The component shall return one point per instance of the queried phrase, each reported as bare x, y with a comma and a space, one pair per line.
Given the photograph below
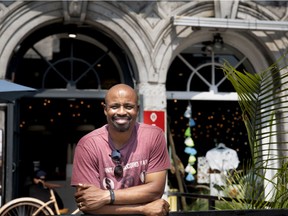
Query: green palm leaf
264, 110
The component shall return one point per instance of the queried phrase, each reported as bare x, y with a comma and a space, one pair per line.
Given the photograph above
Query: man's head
121, 107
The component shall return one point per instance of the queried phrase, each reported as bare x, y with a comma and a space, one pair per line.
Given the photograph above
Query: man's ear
104, 108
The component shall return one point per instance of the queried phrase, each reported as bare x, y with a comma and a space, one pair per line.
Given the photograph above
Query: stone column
154, 96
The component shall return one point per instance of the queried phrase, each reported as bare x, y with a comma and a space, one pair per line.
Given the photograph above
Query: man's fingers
82, 186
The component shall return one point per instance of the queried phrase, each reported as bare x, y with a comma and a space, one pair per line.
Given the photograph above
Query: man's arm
92, 198
152, 189
158, 207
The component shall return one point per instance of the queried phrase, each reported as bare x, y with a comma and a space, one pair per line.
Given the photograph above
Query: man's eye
114, 107
129, 107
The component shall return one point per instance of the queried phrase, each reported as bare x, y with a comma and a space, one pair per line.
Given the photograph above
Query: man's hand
158, 207
89, 197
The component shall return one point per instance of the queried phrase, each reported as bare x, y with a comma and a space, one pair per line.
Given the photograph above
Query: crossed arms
143, 199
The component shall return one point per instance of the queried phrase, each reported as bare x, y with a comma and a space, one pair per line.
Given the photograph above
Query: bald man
121, 167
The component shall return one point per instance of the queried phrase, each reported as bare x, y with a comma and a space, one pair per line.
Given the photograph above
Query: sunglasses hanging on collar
116, 158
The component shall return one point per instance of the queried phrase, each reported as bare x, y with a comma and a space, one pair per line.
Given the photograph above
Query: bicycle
29, 206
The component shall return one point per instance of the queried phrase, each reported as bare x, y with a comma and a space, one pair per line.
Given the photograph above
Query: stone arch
112, 20
31, 20
255, 47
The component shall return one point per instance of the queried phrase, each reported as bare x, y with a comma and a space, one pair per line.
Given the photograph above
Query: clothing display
220, 159
217, 184
203, 171
145, 152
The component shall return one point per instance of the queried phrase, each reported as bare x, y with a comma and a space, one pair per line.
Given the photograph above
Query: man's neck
119, 139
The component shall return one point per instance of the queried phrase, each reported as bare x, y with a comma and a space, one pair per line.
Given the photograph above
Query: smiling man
121, 167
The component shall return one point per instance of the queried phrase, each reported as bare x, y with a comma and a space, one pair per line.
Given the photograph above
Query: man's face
121, 109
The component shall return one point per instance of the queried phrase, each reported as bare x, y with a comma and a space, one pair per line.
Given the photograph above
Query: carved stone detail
74, 10
3, 10
226, 9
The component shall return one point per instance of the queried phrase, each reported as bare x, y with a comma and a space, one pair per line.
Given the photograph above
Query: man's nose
122, 109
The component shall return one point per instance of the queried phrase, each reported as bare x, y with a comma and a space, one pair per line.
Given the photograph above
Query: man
121, 167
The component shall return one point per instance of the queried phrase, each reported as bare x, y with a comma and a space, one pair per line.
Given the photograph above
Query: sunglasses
116, 158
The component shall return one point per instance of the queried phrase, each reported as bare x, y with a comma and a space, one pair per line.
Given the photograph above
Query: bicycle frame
42, 205
46, 205
54, 201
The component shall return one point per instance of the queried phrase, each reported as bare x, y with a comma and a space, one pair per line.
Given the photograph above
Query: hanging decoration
189, 169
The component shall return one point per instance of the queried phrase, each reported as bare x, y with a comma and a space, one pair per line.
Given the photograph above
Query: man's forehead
121, 95
122, 92
123, 101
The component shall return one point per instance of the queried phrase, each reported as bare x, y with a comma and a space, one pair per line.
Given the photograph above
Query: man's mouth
121, 120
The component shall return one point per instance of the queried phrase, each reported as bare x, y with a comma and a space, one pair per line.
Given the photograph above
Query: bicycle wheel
25, 207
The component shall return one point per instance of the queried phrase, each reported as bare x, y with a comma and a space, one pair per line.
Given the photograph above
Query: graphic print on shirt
108, 183
142, 176
134, 174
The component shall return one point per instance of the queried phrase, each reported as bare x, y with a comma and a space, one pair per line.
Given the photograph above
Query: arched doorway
196, 82
72, 67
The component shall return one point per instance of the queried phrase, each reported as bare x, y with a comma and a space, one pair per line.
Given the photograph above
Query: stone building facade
147, 42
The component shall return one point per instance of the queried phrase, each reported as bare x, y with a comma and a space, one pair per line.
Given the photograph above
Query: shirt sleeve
85, 169
159, 158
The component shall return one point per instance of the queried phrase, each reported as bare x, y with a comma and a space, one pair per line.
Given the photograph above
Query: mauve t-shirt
145, 152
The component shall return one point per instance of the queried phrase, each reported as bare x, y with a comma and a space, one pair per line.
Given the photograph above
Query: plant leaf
263, 103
